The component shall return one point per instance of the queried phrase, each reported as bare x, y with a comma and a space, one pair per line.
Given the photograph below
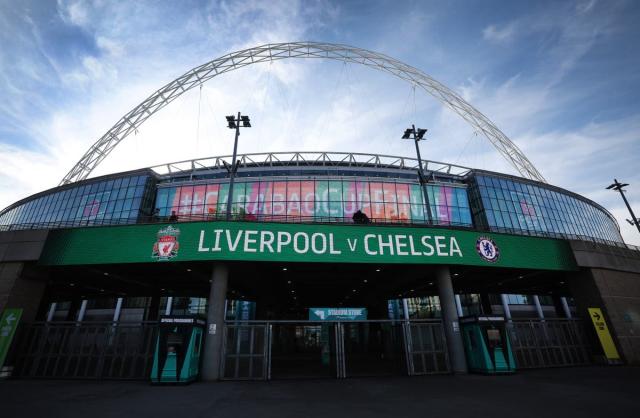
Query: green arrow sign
8, 325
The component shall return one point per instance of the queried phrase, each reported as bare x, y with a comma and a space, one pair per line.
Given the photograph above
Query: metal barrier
98, 350
246, 351
426, 348
258, 350
540, 343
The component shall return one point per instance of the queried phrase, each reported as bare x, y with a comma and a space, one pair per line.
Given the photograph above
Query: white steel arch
272, 52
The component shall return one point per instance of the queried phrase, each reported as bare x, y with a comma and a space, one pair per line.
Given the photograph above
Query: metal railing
261, 350
97, 350
539, 343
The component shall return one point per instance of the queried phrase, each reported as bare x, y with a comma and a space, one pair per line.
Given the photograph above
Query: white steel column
167, 309
565, 307
83, 310
459, 305
52, 311
116, 313
505, 306
536, 301
405, 308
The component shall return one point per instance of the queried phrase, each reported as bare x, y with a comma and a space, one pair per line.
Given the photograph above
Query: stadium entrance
293, 320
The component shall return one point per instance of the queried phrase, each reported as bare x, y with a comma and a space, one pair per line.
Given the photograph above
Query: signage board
258, 241
337, 314
604, 336
8, 324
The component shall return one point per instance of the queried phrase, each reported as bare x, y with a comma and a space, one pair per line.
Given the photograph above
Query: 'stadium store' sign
247, 241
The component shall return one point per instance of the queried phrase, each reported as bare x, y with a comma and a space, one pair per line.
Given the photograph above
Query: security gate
98, 350
426, 348
246, 351
549, 343
256, 350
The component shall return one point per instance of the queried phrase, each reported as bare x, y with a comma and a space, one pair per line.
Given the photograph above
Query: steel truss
308, 159
271, 52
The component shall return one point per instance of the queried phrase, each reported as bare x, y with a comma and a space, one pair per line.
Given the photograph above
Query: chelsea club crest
167, 245
487, 249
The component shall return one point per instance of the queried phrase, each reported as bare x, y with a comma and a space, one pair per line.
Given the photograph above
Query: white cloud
503, 34
294, 104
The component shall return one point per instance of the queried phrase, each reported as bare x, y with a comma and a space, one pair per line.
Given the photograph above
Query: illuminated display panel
319, 200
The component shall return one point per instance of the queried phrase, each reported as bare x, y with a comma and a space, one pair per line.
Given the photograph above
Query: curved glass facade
318, 199
480, 200
505, 205
116, 200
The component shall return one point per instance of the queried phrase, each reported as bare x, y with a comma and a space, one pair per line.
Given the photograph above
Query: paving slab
567, 392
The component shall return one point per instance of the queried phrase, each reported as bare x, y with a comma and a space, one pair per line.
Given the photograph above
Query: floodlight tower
418, 135
234, 123
616, 185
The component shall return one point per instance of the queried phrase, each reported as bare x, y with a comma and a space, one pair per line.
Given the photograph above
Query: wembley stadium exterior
291, 283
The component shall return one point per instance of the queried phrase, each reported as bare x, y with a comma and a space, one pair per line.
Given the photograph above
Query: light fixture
354, 290
288, 281
418, 135
365, 280
455, 274
430, 283
377, 269
102, 290
284, 269
189, 270
72, 284
105, 273
293, 291
411, 290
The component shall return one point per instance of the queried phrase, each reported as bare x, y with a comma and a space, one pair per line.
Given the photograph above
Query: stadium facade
90, 256
316, 264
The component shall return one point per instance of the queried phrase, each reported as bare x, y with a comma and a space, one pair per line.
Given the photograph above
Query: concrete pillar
459, 306
215, 322
505, 306
81, 312
52, 311
22, 285
116, 312
536, 302
405, 308
450, 320
565, 307
167, 309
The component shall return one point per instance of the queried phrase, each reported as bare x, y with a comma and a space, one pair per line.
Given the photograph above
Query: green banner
257, 241
8, 325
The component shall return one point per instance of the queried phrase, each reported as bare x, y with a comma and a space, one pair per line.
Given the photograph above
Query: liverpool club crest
166, 247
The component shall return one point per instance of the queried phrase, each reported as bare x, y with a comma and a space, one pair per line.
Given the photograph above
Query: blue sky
560, 78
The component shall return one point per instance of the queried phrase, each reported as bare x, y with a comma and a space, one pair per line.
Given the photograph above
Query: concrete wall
610, 279
22, 284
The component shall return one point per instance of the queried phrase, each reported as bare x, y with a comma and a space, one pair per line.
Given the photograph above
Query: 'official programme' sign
257, 241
